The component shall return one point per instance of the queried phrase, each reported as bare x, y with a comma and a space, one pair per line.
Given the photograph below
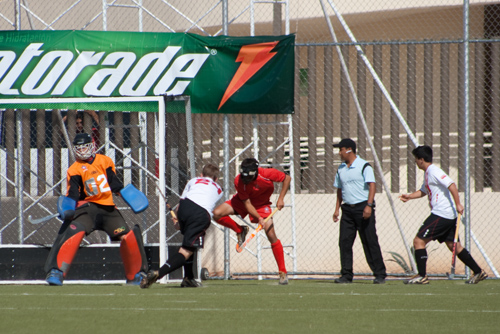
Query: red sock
228, 222
277, 248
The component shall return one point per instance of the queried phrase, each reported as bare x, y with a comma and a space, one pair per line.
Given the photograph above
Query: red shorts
239, 209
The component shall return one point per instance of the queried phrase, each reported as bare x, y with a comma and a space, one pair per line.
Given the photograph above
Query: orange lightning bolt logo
252, 58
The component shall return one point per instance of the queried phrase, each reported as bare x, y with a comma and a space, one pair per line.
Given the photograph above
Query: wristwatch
371, 205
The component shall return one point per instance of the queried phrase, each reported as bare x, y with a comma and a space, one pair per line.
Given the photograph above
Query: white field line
168, 293
70, 282
232, 309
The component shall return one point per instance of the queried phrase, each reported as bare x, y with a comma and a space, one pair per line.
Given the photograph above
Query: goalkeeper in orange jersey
89, 206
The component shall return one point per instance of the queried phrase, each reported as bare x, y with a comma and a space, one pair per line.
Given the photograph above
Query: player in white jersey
193, 216
203, 191
441, 224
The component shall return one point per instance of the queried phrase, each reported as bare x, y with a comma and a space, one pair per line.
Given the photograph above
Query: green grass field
250, 306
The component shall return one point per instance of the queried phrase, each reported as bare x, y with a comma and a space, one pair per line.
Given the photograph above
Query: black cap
347, 143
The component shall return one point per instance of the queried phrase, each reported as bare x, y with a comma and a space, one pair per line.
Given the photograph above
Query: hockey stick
451, 275
41, 220
172, 213
254, 233
169, 208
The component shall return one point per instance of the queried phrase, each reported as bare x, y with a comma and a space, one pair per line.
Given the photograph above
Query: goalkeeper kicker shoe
417, 279
242, 236
476, 278
55, 277
137, 278
150, 278
190, 283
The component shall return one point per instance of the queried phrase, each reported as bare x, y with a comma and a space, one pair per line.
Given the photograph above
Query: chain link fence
420, 58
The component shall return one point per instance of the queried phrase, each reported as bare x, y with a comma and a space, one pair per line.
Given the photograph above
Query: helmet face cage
84, 151
83, 146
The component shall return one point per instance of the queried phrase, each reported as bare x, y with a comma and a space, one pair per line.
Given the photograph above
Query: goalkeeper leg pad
65, 247
133, 254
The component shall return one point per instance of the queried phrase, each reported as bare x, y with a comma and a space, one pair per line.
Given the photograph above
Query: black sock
467, 259
421, 258
174, 262
188, 268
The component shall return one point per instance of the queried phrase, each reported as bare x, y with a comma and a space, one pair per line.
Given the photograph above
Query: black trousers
194, 220
352, 222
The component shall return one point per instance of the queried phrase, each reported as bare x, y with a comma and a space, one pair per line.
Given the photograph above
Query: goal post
145, 106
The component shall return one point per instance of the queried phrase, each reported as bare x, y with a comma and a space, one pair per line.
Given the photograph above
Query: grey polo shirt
353, 183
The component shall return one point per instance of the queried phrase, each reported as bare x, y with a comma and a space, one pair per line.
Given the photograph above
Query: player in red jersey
91, 182
254, 186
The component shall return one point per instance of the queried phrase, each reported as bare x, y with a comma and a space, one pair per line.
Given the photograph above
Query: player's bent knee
187, 251
217, 214
419, 243
222, 210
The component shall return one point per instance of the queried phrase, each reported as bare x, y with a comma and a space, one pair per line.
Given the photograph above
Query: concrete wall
317, 237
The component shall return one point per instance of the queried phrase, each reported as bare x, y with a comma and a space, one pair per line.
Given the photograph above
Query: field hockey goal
149, 139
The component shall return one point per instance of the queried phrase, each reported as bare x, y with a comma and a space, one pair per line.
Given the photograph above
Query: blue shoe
137, 278
55, 277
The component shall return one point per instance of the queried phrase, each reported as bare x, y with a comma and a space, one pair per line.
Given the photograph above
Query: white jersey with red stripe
436, 183
203, 191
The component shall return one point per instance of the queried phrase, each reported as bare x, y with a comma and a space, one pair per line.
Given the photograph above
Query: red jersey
93, 182
260, 190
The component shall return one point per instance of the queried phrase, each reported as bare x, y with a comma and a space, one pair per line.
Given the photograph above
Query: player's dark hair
211, 171
249, 164
423, 152
249, 169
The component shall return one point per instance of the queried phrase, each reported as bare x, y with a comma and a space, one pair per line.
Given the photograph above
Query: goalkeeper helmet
249, 169
83, 146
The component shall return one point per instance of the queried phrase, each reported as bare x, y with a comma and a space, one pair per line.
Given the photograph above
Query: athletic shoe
283, 278
137, 278
242, 236
417, 279
476, 278
55, 277
342, 280
190, 283
149, 279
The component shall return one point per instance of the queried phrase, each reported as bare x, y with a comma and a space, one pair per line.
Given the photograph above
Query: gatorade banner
234, 75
